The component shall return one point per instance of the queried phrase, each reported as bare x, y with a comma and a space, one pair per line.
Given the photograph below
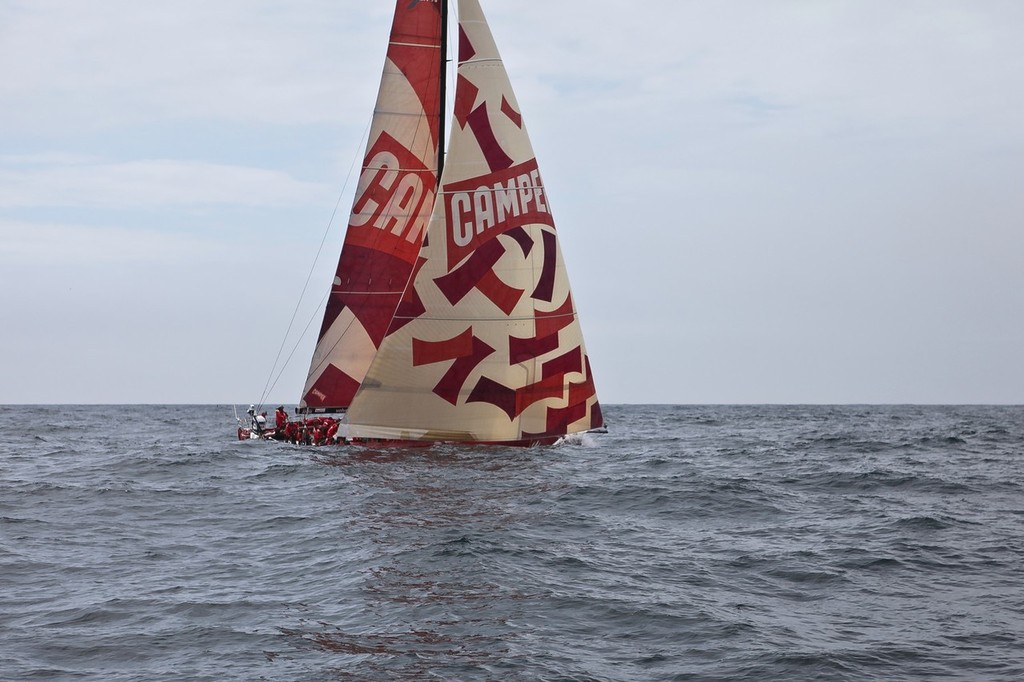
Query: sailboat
450, 318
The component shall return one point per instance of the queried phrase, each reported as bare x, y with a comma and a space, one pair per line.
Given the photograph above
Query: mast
443, 80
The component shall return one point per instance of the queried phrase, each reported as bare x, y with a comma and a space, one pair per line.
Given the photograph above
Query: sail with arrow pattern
485, 344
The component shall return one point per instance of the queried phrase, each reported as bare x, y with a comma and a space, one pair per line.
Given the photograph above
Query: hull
249, 434
271, 434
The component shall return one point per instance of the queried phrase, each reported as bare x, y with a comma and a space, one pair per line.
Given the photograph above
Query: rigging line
358, 158
316, 313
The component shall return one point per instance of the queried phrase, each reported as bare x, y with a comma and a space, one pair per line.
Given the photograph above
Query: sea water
688, 543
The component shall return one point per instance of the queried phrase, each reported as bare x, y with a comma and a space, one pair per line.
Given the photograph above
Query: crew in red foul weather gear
280, 417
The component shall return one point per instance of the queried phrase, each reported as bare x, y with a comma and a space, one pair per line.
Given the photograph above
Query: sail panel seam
397, 114
484, 319
485, 188
397, 170
432, 46
371, 293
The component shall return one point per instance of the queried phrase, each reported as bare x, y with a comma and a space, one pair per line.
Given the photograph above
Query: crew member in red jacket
280, 417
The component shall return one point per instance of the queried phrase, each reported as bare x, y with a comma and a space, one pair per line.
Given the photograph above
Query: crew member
291, 432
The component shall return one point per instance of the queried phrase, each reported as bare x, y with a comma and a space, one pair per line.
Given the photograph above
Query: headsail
389, 216
486, 344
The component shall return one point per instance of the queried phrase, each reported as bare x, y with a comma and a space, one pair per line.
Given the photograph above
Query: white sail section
486, 345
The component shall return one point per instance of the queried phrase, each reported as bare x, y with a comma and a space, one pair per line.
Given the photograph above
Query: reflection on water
438, 519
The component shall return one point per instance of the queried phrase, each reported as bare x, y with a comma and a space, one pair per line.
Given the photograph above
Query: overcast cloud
784, 201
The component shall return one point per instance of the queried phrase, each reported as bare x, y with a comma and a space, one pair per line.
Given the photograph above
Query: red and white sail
486, 345
392, 206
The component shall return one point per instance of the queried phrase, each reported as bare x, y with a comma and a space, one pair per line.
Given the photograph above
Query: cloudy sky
812, 201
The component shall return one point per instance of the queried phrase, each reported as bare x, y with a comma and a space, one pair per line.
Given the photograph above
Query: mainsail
393, 203
485, 345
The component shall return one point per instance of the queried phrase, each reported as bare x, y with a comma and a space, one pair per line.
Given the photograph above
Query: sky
794, 201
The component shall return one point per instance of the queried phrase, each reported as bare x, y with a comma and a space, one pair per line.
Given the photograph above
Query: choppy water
703, 543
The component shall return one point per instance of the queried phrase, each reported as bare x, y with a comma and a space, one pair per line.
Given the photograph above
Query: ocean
688, 543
